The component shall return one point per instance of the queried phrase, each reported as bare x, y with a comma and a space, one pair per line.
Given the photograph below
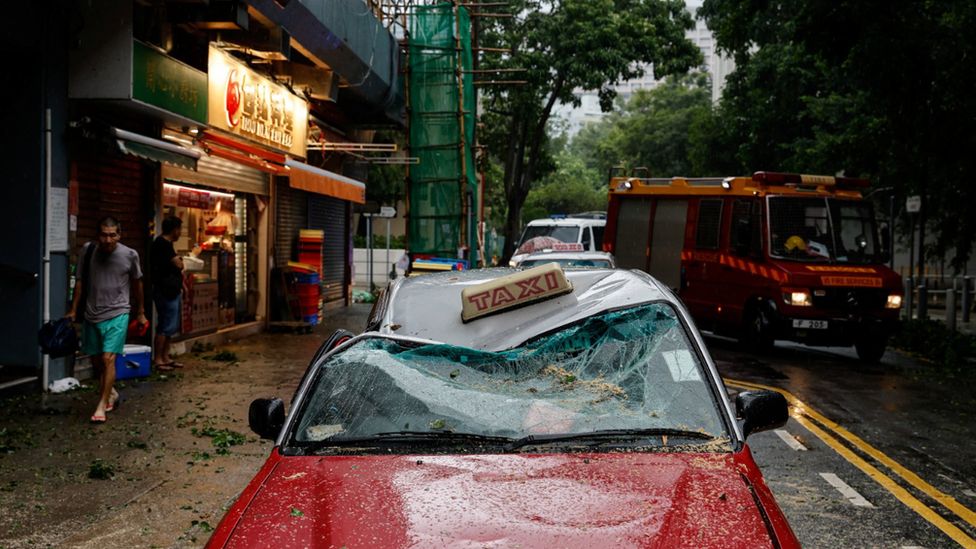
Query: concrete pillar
923, 301
967, 297
909, 297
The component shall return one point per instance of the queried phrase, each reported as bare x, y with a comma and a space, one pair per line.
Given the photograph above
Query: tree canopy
652, 129
874, 88
571, 188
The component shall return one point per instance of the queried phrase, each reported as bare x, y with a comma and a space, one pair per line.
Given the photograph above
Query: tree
652, 129
571, 188
564, 45
876, 88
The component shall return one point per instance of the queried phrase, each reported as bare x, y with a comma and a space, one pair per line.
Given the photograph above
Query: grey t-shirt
110, 275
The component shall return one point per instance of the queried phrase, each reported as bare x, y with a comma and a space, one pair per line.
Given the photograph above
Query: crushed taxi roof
429, 306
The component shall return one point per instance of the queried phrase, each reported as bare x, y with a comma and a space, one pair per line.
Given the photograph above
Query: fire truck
775, 256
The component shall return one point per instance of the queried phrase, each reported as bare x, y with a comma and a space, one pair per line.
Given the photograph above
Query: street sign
913, 203
386, 211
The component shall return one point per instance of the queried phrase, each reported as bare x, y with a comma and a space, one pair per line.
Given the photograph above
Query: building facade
238, 117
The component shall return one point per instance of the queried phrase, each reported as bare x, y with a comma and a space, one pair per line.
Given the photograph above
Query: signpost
913, 204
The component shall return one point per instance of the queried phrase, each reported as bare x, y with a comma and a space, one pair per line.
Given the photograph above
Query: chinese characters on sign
243, 102
175, 195
166, 83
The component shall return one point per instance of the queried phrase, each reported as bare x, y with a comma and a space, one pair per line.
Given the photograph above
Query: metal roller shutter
220, 173
114, 185
331, 215
291, 206
632, 238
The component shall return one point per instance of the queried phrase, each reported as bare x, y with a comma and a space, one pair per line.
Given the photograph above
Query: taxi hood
429, 306
549, 500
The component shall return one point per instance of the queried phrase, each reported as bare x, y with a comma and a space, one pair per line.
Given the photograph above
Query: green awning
155, 150
157, 155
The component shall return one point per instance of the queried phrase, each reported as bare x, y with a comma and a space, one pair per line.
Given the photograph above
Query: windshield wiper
422, 437
608, 435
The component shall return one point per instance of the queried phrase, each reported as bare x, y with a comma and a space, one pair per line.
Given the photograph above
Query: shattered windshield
631, 369
823, 229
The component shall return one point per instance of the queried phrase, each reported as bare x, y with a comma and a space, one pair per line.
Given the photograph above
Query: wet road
906, 474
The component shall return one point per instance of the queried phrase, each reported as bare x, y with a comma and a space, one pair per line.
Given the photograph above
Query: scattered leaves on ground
222, 439
100, 470
223, 356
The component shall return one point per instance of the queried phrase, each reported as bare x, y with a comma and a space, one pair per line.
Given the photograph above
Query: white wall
381, 267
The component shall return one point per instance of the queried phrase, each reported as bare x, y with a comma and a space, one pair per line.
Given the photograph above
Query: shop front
261, 123
223, 206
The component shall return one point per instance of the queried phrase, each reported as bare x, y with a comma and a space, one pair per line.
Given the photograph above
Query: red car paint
696, 500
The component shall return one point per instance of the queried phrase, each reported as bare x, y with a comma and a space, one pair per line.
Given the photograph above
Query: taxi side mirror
266, 416
761, 411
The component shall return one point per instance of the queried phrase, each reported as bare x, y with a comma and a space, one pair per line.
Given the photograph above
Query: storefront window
214, 246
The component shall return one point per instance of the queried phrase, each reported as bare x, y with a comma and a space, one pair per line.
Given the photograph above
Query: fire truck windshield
822, 229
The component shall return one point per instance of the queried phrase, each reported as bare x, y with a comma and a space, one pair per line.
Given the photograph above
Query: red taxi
504, 408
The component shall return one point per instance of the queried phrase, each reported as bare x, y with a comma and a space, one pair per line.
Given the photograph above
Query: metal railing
950, 295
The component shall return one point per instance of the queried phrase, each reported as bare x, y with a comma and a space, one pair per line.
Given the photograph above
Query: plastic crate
303, 278
135, 361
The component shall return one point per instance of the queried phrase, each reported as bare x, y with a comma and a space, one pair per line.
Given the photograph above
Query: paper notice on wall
57, 220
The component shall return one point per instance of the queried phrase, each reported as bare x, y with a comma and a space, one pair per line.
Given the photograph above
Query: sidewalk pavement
176, 453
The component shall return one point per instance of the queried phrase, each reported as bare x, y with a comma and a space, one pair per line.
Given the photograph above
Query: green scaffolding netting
441, 129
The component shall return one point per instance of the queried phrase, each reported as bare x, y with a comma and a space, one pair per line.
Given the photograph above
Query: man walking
166, 273
108, 272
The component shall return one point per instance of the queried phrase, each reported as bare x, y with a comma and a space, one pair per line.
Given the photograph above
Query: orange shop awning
316, 180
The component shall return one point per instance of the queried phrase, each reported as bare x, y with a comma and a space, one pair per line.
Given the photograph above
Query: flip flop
172, 364
113, 405
164, 367
97, 418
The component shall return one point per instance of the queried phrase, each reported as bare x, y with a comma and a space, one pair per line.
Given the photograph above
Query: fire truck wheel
871, 349
757, 330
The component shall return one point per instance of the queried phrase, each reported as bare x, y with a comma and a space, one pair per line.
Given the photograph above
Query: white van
585, 229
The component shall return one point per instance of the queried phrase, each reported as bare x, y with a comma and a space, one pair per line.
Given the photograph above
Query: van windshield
823, 229
563, 233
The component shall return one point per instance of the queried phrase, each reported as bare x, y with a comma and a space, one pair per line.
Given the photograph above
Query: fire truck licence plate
810, 324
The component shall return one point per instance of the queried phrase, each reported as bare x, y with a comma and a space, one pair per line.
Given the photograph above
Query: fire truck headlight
625, 185
894, 302
797, 298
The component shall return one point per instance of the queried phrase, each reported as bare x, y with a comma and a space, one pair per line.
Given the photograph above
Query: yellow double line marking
803, 415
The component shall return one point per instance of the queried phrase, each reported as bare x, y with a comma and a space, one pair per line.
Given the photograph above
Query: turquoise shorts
107, 336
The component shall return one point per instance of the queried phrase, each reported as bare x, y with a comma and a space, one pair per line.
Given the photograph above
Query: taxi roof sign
514, 290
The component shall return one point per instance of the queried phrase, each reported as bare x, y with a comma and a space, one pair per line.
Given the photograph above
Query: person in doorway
166, 273
109, 279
